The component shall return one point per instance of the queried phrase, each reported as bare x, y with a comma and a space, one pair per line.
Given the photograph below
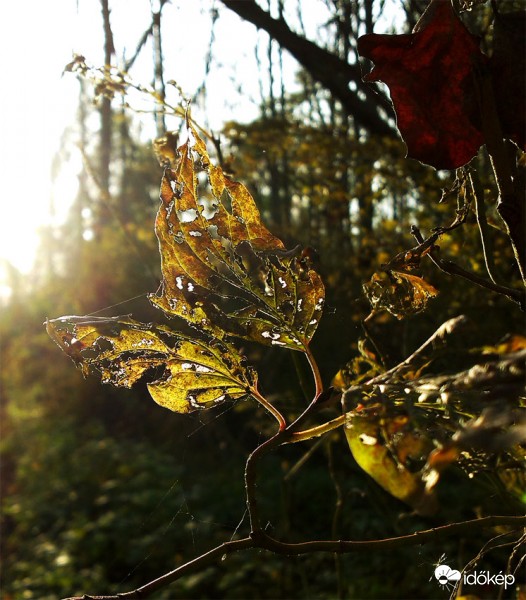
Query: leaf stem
318, 391
315, 372
270, 408
307, 434
480, 213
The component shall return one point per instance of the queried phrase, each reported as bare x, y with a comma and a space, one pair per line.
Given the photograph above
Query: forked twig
452, 268
263, 541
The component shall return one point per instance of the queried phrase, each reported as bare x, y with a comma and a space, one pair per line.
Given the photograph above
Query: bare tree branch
264, 542
327, 68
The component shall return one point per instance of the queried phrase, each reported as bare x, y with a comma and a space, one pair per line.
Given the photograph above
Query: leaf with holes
189, 374
399, 293
393, 453
224, 273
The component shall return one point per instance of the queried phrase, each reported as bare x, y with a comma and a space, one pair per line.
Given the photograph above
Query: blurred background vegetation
102, 489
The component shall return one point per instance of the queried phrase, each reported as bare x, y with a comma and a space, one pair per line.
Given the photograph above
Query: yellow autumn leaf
387, 462
223, 271
194, 374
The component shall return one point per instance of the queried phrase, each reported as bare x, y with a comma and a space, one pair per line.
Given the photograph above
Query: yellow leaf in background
386, 456
511, 343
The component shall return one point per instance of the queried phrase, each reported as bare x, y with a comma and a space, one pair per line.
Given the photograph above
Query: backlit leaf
223, 271
401, 294
359, 369
431, 77
390, 451
190, 374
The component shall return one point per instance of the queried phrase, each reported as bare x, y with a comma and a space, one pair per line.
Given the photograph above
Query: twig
265, 542
317, 394
510, 205
452, 268
308, 434
480, 212
445, 329
250, 480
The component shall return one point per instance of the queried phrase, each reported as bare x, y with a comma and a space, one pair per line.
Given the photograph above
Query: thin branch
264, 542
307, 434
510, 205
324, 66
452, 268
318, 391
480, 212
250, 480
446, 328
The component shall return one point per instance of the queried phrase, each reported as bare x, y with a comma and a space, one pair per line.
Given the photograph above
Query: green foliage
102, 491
54, 537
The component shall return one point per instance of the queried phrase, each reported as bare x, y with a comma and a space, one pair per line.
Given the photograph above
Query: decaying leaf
359, 369
431, 77
391, 452
193, 374
495, 430
223, 271
401, 294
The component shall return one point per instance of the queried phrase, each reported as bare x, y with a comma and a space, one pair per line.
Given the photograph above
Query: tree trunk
105, 112
331, 71
158, 77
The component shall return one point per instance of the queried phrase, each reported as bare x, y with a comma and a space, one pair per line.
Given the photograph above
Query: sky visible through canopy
38, 102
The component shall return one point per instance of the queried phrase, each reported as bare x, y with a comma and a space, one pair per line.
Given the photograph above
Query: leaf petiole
270, 408
315, 372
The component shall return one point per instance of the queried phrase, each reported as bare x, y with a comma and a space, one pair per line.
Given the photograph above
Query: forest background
102, 489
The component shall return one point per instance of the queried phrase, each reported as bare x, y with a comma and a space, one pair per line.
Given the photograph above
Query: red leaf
430, 76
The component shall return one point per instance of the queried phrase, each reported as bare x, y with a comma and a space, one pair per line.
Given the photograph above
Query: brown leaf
195, 374
223, 271
401, 294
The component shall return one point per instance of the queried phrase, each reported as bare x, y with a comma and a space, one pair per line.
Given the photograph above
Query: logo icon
446, 576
